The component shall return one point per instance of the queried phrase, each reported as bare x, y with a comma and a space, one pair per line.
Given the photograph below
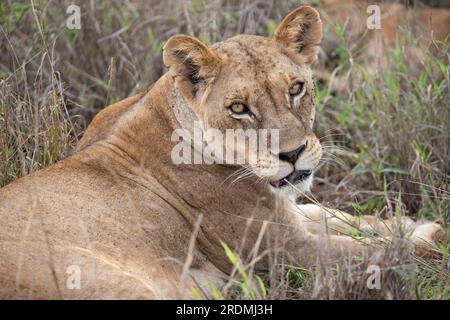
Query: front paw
425, 238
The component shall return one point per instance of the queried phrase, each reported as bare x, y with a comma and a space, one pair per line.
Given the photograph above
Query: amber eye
296, 89
239, 108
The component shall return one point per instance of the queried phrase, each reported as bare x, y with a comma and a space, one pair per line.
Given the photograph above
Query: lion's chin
292, 190
293, 178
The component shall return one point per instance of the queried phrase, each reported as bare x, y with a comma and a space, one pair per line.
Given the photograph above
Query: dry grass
387, 137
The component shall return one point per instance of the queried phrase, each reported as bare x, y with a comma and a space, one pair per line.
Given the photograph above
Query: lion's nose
292, 156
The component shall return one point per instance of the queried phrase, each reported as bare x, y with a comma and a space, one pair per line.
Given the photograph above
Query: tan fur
124, 213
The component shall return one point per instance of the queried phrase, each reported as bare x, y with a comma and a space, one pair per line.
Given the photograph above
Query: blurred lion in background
370, 48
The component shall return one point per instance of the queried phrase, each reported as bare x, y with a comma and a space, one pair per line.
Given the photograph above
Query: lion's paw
425, 238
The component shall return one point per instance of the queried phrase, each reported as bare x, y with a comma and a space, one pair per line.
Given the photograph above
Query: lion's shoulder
102, 124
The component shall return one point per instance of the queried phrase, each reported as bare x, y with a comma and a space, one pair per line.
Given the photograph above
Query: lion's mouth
292, 178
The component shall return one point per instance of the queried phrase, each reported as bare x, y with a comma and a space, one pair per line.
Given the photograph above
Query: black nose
292, 156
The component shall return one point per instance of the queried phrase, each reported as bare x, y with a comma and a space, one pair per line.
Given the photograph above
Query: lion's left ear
192, 61
300, 34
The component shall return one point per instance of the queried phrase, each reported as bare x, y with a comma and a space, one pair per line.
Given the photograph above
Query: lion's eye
296, 89
239, 108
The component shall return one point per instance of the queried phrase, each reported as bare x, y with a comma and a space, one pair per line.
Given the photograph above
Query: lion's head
254, 82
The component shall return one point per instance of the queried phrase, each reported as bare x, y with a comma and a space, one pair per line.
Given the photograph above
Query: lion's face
254, 83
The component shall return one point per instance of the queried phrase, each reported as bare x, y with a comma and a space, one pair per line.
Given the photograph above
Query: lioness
118, 219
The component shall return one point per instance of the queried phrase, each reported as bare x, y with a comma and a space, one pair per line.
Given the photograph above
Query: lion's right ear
299, 34
190, 59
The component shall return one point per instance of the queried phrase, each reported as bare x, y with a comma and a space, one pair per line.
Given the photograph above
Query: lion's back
104, 121
71, 216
